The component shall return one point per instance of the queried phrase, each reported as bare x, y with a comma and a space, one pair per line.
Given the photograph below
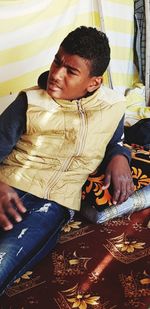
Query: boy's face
69, 77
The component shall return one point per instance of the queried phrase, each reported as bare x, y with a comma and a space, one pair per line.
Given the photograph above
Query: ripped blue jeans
32, 238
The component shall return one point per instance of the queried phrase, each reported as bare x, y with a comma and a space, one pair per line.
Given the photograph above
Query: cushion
96, 203
138, 201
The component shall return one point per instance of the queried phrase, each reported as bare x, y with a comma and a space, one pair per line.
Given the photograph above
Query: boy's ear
95, 83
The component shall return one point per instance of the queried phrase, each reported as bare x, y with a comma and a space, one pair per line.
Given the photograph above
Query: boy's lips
54, 86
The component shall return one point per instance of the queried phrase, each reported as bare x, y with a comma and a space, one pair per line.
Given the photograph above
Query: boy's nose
59, 73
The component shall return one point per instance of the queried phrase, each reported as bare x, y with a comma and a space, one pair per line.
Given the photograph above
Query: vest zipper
83, 127
56, 176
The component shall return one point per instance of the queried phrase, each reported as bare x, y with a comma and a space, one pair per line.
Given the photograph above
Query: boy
51, 140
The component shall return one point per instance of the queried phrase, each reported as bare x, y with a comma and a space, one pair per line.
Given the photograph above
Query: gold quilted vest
64, 142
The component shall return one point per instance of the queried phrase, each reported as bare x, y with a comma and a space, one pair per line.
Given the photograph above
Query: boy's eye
71, 72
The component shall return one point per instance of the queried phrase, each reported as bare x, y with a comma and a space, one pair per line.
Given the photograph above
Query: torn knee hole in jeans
44, 208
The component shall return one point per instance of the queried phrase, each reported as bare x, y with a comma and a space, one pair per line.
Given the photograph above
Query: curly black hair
91, 44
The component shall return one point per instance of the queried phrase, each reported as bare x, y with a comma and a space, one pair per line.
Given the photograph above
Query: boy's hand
8, 199
118, 173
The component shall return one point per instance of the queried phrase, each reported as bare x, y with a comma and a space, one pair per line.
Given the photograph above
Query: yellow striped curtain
31, 31
118, 18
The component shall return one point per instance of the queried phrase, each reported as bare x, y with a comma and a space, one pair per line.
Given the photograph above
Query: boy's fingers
116, 195
107, 181
123, 193
5, 223
13, 213
18, 203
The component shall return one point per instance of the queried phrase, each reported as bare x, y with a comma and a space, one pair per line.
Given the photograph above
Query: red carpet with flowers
94, 266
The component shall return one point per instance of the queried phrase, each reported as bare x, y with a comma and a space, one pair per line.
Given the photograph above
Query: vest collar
89, 101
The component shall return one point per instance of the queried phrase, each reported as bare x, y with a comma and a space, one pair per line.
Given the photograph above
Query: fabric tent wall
31, 30
147, 71
118, 23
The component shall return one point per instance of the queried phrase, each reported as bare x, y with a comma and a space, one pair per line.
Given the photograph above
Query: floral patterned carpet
104, 266
94, 266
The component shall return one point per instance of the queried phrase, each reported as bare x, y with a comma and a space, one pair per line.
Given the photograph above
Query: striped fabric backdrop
31, 31
119, 26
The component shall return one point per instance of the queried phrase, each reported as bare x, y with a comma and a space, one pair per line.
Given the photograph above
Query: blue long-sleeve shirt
13, 125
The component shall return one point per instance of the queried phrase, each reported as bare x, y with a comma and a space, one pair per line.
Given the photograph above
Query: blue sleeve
12, 125
115, 146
